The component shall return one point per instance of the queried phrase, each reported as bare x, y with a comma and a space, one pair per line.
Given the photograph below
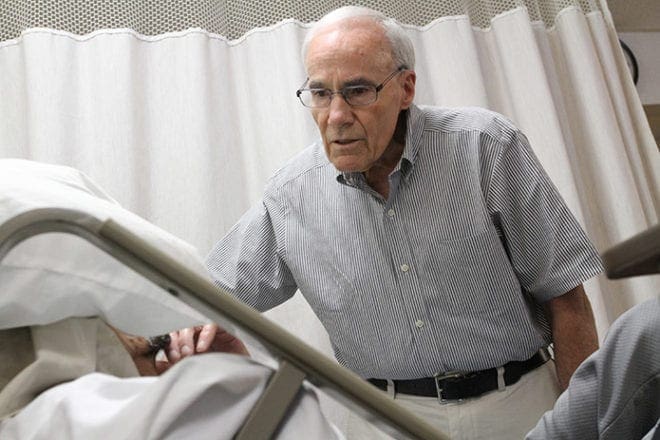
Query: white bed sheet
206, 396
56, 276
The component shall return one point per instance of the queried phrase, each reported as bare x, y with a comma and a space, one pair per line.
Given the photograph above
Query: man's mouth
344, 141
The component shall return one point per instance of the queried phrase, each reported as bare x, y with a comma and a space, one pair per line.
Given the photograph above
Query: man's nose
340, 112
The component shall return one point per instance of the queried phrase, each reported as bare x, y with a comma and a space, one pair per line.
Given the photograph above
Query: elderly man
433, 247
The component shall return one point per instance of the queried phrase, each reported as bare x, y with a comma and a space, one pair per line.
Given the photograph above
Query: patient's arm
202, 339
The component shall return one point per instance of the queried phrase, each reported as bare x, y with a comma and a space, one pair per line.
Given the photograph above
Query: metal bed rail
638, 255
297, 360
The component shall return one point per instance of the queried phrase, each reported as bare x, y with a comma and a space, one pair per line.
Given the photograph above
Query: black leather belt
461, 385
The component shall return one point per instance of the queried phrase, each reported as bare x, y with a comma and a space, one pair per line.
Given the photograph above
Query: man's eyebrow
315, 85
360, 81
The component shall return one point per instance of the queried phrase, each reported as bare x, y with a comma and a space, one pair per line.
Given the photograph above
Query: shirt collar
414, 133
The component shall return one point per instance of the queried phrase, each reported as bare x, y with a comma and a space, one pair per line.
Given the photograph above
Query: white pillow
56, 275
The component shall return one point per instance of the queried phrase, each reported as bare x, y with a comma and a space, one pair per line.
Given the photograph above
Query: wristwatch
156, 343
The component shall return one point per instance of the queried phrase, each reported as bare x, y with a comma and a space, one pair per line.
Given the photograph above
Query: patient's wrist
142, 351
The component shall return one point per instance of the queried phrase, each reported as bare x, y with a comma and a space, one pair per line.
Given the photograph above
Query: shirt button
405, 268
391, 213
419, 323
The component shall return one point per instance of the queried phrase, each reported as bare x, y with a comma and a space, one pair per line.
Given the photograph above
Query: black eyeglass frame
343, 91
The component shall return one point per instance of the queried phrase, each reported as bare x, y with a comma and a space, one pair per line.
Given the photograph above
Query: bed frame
639, 255
297, 360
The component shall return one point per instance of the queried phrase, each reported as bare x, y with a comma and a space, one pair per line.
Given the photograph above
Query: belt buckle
446, 375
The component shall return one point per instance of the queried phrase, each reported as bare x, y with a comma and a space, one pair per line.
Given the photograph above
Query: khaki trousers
508, 414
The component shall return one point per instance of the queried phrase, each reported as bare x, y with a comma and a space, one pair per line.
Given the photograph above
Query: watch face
631, 61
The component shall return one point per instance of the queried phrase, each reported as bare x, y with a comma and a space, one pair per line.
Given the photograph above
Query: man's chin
344, 167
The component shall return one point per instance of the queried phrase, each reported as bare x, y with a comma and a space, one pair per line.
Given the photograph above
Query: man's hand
200, 339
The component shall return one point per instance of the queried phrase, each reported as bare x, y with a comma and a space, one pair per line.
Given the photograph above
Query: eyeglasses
355, 96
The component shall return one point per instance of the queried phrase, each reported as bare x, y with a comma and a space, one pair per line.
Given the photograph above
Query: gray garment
615, 393
421, 282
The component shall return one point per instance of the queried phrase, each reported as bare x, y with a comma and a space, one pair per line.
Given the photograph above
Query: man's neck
378, 175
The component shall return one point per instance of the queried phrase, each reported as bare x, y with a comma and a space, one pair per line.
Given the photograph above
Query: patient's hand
201, 339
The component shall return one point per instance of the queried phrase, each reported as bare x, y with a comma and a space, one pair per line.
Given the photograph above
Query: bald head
359, 41
398, 46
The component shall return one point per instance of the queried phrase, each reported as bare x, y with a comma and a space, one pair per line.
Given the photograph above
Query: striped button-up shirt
446, 274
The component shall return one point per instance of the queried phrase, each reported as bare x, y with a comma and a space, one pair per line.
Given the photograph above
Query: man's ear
409, 78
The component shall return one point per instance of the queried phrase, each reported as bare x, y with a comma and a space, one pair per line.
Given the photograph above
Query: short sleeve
548, 248
248, 261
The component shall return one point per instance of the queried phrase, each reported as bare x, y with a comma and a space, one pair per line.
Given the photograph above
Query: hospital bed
65, 203
638, 255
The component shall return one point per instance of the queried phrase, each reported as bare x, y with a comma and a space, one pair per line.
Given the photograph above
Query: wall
644, 46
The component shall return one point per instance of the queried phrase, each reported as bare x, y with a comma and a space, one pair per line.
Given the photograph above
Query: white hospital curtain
182, 109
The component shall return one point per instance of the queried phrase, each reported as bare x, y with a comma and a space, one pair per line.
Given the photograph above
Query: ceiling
635, 15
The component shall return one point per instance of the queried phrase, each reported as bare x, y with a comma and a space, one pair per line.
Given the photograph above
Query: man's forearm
573, 332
